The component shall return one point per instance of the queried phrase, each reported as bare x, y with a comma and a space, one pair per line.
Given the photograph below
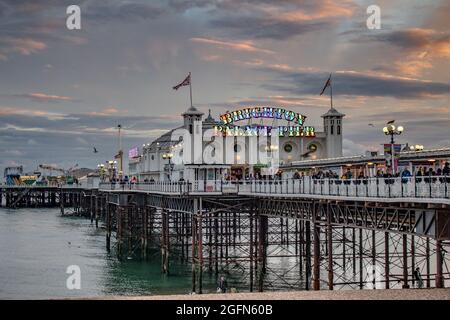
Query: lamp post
168, 156
391, 130
101, 171
417, 147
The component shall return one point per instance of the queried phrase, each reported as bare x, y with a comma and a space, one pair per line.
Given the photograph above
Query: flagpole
190, 87
331, 91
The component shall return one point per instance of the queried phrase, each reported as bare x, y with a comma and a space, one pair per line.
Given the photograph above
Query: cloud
247, 46
23, 46
43, 97
418, 48
353, 83
105, 112
351, 148
280, 21
122, 11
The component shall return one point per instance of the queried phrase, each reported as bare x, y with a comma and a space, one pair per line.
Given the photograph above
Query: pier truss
264, 242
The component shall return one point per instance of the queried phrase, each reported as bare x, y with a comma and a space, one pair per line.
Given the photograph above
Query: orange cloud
105, 112
23, 46
325, 9
247, 46
421, 46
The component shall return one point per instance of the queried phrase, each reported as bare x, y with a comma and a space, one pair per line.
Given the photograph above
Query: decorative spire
209, 118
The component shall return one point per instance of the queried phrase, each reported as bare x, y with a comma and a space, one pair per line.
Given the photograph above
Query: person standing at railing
348, 174
406, 175
430, 173
446, 169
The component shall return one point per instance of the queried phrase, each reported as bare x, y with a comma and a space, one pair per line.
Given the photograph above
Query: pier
293, 234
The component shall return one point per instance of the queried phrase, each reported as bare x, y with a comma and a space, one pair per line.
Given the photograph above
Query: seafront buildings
296, 141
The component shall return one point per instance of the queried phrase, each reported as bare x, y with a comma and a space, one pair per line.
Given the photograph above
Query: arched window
338, 130
332, 129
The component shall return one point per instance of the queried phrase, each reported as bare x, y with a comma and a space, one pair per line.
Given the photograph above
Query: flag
327, 84
185, 82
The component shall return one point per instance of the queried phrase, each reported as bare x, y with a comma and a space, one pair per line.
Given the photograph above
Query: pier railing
436, 187
402, 187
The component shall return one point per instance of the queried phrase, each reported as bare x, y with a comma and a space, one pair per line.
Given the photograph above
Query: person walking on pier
222, 285
418, 278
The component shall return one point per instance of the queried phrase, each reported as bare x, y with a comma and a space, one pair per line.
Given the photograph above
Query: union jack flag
327, 84
185, 82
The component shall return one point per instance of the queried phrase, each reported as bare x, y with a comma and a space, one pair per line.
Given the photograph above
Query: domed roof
192, 111
164, 141
333, 113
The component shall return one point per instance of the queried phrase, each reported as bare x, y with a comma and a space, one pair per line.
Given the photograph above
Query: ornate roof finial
209, 118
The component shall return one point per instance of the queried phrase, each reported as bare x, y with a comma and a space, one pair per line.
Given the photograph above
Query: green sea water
37, 246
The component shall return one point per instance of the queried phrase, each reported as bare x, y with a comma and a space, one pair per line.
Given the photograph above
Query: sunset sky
63, 91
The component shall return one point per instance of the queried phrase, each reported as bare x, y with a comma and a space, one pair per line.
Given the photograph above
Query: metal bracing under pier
267, 243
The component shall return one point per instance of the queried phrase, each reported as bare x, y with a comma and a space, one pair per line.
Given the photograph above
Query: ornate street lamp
391, 130
417, 147
168, 156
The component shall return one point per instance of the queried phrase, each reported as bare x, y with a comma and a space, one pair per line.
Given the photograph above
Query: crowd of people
405, 173
427, 174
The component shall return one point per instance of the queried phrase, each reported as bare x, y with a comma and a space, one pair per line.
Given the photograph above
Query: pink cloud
23, 46
247, 46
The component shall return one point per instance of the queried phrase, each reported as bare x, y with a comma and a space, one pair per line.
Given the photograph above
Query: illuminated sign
133, 153
256, 131
228, 129
262, 112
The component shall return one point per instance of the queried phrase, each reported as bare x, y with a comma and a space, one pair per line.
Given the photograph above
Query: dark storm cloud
266, 28
356, 84
119, 11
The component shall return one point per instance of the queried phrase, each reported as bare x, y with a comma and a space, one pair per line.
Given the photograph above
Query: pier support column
361, 259
97, 198
405, 262
108, 227
91, 206
165, 241
308, 254
330, 251
144, 236
194, 242
120, 217
262, 252
439, 263
428, 264
316, 267
61, 201
386, 260
200, 246
374, 259
251, 249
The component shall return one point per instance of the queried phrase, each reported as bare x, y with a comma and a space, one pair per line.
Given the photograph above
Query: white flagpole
331, 91
190, 87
